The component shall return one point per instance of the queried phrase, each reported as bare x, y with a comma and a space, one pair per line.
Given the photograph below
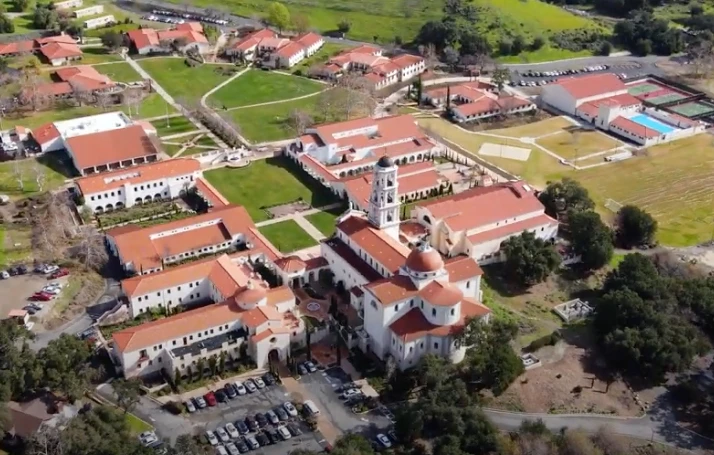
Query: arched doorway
119, 205
99, 209
147, 198
274, 364
138, 200
157, 197
109, 207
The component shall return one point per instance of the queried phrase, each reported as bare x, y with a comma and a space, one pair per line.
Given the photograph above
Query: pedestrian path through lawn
257, 86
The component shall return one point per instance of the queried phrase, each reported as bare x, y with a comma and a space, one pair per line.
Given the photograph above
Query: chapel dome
251, 295
424, 258
385, 161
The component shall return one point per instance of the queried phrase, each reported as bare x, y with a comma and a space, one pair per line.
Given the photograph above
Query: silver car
212, 439
222, 435
232, 449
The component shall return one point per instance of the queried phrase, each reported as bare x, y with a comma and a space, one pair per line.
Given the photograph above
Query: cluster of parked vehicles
547, 77
229, 392
173, 17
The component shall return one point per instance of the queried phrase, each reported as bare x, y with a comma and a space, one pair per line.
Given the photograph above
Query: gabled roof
384, 249
57, 50
111, 146
45, 133
413, 325
591, 85
136, 175
290, 49
308, 39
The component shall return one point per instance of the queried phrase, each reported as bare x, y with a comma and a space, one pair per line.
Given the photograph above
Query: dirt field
574, 143
566, 383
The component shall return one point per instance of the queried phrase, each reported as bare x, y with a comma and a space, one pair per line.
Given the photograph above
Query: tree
343, 26
20, 5
300, 121
112, 40
591, 239
437, 33
65, 365
518, 45
213, 365
278, 16
301, 23
635, 227
200, 367
128, 393
499, 77
6, 24
352, 444
187, 445
605, 49
529, 260
537, 43
568, 195
450, 56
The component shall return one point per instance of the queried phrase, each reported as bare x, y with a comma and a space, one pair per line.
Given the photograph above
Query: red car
210, 398
58, 274
42, 296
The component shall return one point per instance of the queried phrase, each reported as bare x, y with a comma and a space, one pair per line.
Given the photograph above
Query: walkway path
169, 99
299, 218
267, 103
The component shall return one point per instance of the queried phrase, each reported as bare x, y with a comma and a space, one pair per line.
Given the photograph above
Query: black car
269, 379
294, 429
242, 427
230, 391
241, 445
262, 439
221, 396
261, 419
302, 370
252, 423
272, 435
21, 269
282, 414
13, 271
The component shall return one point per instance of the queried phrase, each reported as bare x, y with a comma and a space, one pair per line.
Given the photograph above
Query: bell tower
384, 199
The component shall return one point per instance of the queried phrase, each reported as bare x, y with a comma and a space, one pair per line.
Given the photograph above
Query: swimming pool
652, 123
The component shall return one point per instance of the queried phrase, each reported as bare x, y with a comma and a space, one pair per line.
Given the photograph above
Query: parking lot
543, 77
17, 290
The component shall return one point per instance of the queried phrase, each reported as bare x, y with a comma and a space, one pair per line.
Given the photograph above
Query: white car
200, 402
51, 269
250, 385
220, 450
384, 440
240, 388
51, 290
350, 393
148, 438
190, 407
290, 409
232, 449
284, 433
222, 435
232, 431
212, 439
259, 383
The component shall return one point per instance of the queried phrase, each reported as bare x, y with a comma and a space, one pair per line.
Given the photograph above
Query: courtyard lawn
323, 55
287, 236
575, 142
153, 106
324, 221
61, 112
256, 86
93, 55
267, 183
182, 81
119, 72
537, 170
173, 125
270, 123
52, 165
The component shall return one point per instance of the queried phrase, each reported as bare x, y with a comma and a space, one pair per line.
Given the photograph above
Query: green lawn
325, 221
15, 244
55, 173
323, 55
182, 81
136, 425
266, 183
94, 55
256, 86
119, 72
174, 125
61, 112
270, 123
154, 106
287, 236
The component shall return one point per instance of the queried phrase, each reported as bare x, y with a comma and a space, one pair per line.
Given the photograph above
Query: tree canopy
635, 227
591, 239
567, 195
529, 260
278, 16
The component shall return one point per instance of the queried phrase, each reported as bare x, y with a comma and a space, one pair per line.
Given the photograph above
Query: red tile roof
113, 146
413, 325
17, 47
308, 39
591, 85
385, 250
211, 193
137, 175
406, 60
462, 268
360, 187
512, 228
290, 49
350, 257
57, 50
45, 133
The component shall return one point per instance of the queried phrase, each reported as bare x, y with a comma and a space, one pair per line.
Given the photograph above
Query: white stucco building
149, 182
412, 301
476, 221
274, 51
89, 11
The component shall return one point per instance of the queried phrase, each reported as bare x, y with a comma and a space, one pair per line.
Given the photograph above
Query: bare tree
53, 227
90, 251
300, 120
40, 176
104, 100
131, 98
431, 57
46, 442
18, 174
81, 94
610, 443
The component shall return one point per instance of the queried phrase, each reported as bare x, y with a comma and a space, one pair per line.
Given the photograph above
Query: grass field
270, 123
153, 106
15, 244
182, 81
55, 174
136, 425
324, 221
535, 129
323, 55
267, 183
92, 55
35, 119
571, 144
256, 86
174, 125
287, 236
119, 72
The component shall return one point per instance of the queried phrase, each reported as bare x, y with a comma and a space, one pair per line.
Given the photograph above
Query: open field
324, 221
266, 183
152, 106
574, 142
119, 72
173, 125
287, 236
15, 244
182, 81
270, 123
53, 169
535, 129
94, 55
256, 86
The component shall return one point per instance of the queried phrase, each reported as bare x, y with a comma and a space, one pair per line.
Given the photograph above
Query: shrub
547, 340
174, 407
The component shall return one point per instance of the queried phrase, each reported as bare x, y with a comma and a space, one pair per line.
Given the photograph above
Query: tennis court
644, 88
692, 109
665, 98
655, 93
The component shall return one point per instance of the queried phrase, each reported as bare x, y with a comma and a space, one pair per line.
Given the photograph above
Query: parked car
302, 370
30, 310
59, 274
222, 435
220, 450
272, 417
252, 442
284, 433
211, 437
250, 386
269, 379
310, 367
232, 449
210, 399
350, 393
230, 391
261, 419
200, 402
252, 423
148, 438
51, 269
242, 446
242, 427
262, 439
232, 431
42, 297
221, 396
4, 275
294, 429
190, 407
282, 415
240, 388
51, 290
290, 409
259, 383
384, 440
273, 435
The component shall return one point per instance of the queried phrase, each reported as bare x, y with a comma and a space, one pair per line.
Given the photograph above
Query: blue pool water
652, 123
